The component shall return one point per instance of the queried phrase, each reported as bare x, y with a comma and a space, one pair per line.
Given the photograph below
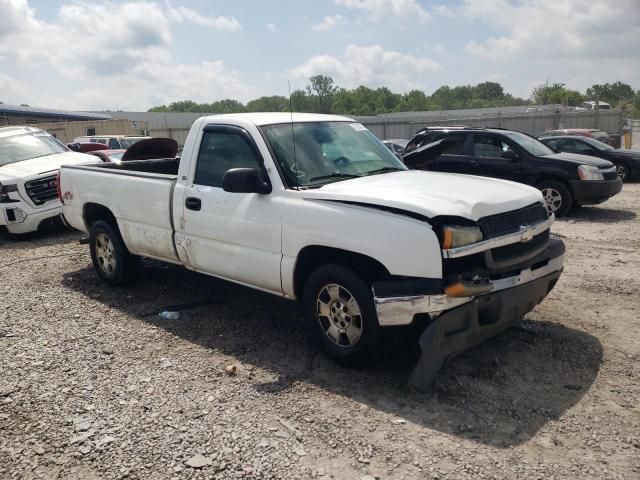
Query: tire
623, 170
350, 331
111, 259
557, 196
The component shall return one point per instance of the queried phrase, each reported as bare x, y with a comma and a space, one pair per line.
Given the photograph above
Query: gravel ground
94, 385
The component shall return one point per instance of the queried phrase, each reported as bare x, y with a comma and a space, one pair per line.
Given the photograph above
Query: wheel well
312, 257
92, 212
547, 178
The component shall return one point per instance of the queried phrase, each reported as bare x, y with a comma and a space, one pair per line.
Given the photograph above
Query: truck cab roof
274, 118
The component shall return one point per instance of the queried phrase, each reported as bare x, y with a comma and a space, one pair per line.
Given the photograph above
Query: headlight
588, 172
453, 237
4, 192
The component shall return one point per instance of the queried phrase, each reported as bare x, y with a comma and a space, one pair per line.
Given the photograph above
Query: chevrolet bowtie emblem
527, 235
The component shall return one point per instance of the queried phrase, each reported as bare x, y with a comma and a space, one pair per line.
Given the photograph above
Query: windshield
17, 148
328, 152
597, 144
530, 144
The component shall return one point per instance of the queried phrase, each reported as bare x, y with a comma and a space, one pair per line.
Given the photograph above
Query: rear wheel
339, 309
111, 259
557, 197
623, 171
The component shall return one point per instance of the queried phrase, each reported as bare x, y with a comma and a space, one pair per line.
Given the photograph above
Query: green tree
612, 93
489, 91
556, 93
225, 106
302, 102
414, 101
274, 103
322, 88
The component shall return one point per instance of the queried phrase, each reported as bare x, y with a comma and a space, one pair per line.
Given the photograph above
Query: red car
585, 132
86, 147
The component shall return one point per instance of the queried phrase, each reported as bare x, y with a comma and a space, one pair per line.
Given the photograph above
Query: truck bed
164, 166
121, 188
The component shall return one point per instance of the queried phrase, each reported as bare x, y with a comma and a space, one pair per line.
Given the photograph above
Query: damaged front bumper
401, 309
458, 323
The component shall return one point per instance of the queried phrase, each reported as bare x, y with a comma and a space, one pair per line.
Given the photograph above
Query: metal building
21, 115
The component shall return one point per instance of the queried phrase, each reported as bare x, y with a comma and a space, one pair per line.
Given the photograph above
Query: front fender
405, 245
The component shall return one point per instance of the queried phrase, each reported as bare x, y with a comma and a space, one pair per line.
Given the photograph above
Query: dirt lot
94, 384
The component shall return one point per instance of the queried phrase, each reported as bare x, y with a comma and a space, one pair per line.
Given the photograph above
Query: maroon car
86, 147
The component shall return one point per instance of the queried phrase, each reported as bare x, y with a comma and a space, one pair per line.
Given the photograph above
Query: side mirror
244, 180
510, 155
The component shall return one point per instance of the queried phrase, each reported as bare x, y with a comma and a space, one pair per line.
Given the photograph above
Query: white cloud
574, 42
550, 29
183, 14
271, 27
444, 11
370, 65
124, 55
11, 91
381, 9
329, 23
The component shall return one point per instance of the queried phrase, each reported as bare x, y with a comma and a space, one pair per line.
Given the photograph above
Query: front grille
505, 223
610, 175
514, 251
42, 190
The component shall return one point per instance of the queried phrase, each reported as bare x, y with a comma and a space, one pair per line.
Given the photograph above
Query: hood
431, 194
580, 159
151, 148
36, 166
420, 157
620, 153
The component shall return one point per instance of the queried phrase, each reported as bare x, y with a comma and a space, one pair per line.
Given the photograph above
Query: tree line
322, 95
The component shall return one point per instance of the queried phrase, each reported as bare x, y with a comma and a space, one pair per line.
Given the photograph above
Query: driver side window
219, 152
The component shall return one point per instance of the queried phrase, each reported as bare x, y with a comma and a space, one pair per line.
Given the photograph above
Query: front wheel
623, 171
557, 197
339, 309
111, 259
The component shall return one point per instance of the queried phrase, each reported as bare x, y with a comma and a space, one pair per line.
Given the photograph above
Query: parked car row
29, 162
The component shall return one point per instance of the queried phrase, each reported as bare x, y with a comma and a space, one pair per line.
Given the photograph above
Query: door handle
193, 203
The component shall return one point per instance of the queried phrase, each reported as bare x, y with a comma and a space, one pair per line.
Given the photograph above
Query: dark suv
565, 179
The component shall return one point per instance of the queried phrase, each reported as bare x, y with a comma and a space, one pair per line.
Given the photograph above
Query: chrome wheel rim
105, 254
339, 315
621, 170
552, 199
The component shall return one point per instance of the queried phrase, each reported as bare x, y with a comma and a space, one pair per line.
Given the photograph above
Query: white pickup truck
29, 163
315, 208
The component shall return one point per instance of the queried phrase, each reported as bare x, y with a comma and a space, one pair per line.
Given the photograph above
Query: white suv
29, 163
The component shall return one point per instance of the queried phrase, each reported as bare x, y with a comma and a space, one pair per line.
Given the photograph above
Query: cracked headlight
453, 237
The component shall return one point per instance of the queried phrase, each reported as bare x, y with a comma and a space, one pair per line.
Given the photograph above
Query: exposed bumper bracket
483, 317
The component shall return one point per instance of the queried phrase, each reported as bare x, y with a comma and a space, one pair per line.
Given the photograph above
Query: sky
132, 55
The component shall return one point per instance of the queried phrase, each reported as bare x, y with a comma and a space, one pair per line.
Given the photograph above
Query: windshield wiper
385, 169
334, 175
